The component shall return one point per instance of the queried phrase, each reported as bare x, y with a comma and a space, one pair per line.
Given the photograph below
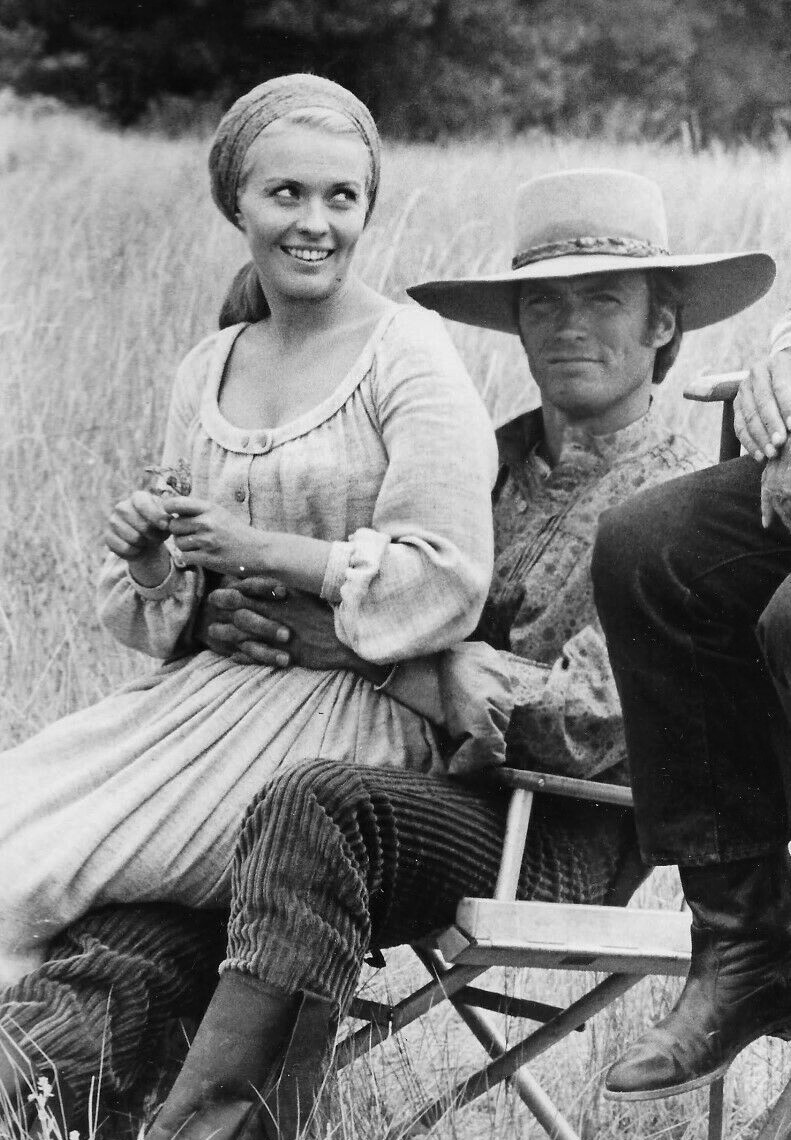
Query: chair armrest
714, 387
720, 388
523, 784
548, 784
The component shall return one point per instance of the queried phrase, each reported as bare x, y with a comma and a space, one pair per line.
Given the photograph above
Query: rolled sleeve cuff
157, 593
335, 572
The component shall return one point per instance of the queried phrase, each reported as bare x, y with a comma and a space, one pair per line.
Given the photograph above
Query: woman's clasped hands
210, 536
205, 534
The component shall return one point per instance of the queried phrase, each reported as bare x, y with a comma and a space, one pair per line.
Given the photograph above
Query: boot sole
670, 1090
780, 1029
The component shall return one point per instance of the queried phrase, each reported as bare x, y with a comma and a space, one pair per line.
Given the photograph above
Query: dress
140, 796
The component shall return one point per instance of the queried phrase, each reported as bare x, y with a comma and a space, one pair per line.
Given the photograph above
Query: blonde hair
320, 119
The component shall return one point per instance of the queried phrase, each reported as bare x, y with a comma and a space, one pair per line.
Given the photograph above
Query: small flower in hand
171, 480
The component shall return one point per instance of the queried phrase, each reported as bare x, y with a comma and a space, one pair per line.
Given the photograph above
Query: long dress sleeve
154, 620
415, 581
567, 716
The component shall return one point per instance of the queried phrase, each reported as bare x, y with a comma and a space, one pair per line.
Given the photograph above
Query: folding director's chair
626, 944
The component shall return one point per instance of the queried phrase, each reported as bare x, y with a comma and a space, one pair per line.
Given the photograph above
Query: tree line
704, 69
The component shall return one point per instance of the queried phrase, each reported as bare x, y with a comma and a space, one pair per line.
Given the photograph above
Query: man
693, 588
361, 857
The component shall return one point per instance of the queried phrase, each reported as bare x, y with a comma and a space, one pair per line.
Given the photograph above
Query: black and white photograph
395, 569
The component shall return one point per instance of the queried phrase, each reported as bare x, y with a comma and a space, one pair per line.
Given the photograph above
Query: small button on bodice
240, 494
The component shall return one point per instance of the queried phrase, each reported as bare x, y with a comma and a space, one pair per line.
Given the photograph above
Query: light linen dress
140, 796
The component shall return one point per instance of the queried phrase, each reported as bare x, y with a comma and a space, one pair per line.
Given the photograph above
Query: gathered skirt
140, 797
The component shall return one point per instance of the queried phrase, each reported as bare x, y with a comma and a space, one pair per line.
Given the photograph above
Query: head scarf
250, 114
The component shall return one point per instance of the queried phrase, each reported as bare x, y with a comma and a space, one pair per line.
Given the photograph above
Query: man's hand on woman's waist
257, 620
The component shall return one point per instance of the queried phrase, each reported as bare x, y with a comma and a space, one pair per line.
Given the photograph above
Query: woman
312, 435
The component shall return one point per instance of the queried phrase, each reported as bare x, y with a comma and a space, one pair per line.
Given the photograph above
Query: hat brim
713, 286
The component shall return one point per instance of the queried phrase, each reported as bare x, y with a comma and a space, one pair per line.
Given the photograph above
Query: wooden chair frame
626, 944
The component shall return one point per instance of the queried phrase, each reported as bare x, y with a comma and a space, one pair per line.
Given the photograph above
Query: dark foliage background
703, 69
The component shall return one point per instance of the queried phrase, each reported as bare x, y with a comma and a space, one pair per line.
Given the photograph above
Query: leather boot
739, 982
255, 1067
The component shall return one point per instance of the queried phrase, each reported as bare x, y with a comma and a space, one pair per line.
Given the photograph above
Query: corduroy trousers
332, 860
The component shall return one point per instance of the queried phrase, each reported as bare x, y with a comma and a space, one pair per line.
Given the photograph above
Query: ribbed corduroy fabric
102, 1005
335, 858
332, 859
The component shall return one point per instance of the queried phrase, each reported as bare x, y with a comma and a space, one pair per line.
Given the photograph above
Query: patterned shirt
540, 610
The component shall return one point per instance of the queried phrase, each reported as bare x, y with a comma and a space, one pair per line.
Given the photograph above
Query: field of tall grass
113, 263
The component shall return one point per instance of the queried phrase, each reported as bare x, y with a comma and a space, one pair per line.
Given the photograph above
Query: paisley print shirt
540, 612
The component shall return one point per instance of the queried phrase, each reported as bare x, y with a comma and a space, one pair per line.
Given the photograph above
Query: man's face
589, 342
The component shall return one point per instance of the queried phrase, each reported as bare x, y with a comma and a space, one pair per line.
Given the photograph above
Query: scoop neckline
259, 440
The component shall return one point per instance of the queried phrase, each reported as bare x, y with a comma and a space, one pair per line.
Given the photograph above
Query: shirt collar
518, 439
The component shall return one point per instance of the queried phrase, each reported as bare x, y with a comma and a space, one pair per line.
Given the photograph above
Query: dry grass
113, 263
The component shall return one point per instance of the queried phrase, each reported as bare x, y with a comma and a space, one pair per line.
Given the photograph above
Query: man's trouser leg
100, 1010
682, 575
774, 635
335, 858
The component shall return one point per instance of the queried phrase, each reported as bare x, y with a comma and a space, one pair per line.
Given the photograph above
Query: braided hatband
621, 246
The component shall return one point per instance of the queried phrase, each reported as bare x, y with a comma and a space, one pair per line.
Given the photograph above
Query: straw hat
598, 221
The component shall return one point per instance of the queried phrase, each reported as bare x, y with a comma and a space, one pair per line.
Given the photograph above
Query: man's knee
649, 549
332, 785
774, 634
317, 805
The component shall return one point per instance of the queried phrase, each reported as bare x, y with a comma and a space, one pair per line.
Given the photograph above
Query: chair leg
538, 1042
509, 1063
527, 1087
439, 989
716, 1097
529, 1090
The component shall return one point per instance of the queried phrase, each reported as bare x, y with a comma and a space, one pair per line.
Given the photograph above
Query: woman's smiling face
302, 207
